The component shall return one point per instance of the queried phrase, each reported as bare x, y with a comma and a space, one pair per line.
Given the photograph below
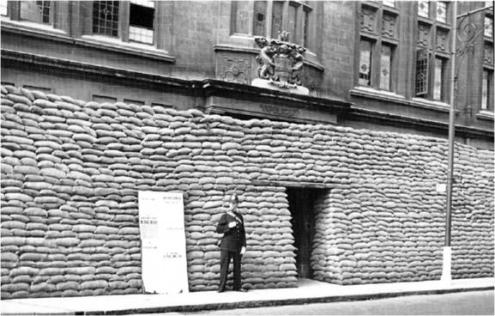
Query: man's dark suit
232, 242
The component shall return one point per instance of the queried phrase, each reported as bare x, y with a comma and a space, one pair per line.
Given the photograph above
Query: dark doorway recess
301, 206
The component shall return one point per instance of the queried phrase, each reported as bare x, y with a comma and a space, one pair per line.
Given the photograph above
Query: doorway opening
301, 206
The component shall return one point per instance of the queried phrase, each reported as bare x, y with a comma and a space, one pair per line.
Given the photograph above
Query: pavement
308, 291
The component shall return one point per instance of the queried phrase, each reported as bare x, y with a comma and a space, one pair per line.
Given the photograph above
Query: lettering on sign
279, 110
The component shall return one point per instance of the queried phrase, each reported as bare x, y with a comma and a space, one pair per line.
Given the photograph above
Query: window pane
292, 23
259, 18
305, 38
3, 7
139, 34
365, 63
144, 3
141, 18
438, 79
385, 67
424, 8
390, 3
484, 91
442, 12
488, 26
106, 18
277, 18
36, 11
241, 16
422, 65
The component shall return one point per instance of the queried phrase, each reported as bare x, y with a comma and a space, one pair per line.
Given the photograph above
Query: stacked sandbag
71, 172
472, 237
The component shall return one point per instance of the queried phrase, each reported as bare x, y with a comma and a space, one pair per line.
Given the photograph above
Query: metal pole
447, 252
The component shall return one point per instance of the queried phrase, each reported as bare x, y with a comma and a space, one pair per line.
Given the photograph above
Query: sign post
161, 224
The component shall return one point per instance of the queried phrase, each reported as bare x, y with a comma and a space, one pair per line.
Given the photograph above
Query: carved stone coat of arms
280, 62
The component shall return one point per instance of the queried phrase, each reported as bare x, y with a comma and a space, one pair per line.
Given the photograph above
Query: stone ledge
399, 99
486, 116
24, 29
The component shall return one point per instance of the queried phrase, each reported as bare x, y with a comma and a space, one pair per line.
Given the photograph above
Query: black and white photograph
247, 157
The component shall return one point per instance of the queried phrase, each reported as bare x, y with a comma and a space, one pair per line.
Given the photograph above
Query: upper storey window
270, 18
487, 99
130, 21
3, 8
46, 15
379, 41
488, 31
106, 18
433, 50
37, 11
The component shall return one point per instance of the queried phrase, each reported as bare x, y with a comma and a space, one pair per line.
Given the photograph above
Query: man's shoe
220, 290
241, 290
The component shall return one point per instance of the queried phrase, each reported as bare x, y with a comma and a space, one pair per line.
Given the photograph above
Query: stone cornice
18, 28
417, 123
202, 89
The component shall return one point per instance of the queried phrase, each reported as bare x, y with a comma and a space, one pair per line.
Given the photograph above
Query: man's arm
223, 225
243, 235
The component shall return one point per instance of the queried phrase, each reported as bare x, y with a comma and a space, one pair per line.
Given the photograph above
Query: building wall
191, 45
71, 171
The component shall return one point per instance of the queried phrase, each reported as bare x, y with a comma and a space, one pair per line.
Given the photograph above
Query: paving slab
308, 291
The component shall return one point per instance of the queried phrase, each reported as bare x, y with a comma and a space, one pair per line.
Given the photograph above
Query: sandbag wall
387, 223
71, 171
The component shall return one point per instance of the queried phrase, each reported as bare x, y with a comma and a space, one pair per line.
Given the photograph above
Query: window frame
58, 13
487, 67
489, 89
378, 41
123, 31
434, 53
304, 20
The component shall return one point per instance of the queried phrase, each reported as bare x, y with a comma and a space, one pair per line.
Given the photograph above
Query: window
439, 80
277, 12
487, 90
486, 99
385, 67
130, 20
379, 40
365, 63
37, 11
259, 27
441, 14
3, 8
141, 18
45, 15
433, 50
422, 65
424, 8
241, 18
488, 32
106, 18
390, 3
271, 18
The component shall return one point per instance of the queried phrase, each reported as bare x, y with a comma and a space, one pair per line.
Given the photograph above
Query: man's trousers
225, 257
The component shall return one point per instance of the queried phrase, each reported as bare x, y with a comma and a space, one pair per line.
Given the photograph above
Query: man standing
232, 245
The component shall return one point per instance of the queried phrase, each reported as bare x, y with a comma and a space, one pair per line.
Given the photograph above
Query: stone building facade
103, 99
388, 62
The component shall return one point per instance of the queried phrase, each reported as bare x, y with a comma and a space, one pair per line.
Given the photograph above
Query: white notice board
161, 224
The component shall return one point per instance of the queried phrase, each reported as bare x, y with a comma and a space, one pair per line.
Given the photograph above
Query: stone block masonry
71, 171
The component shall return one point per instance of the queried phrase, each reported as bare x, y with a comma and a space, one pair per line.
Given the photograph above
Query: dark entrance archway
301, 206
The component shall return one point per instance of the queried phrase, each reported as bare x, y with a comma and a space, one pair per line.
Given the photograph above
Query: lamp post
447, 250
471, 35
